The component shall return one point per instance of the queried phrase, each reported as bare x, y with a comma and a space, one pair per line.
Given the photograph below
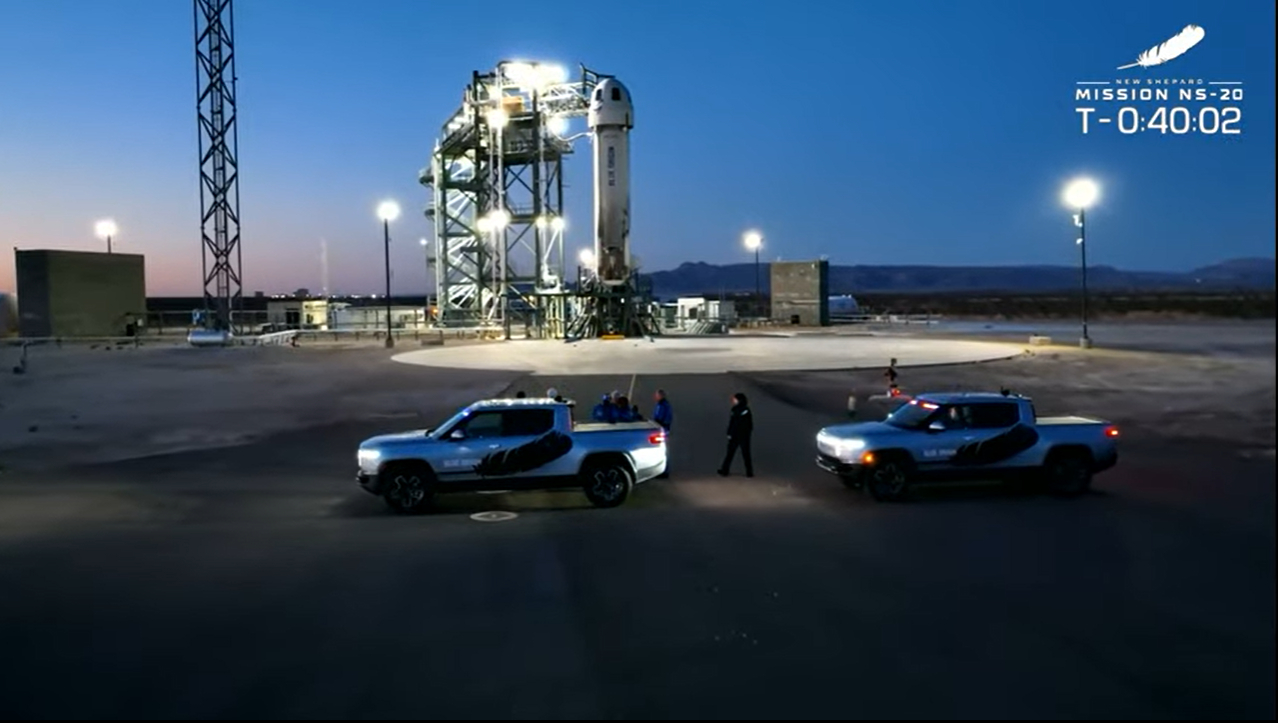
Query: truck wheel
408, 487
1069, 475
607, 484
887, 481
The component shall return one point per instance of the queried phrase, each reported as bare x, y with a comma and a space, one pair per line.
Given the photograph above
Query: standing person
740, 428
891, 375
663, 414
605, 410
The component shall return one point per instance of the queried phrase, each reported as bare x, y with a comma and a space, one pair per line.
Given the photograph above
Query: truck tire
888, 480
408, 487
607, 484
1068, 474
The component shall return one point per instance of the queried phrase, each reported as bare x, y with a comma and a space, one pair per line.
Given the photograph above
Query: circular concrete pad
707, 355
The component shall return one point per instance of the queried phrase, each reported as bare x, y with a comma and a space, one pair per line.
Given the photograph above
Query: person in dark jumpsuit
740, 429
663, 414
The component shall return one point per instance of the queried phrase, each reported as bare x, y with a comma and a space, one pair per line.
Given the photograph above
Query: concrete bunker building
79, 293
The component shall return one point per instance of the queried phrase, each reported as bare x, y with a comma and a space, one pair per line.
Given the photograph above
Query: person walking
740, 429
663, 414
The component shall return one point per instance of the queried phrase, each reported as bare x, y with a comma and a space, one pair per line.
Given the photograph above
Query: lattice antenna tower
219, 162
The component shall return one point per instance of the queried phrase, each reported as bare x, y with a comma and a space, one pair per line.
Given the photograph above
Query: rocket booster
610, 119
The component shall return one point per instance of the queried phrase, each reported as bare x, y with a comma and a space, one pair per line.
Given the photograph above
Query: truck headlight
840, 448
369, 455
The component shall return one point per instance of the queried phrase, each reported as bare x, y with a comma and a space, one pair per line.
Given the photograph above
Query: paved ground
710, 355
254, 581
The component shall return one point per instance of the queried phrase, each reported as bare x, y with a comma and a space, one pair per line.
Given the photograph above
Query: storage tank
208, 337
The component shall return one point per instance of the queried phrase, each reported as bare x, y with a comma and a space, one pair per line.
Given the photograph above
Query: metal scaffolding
496, 176
219, 165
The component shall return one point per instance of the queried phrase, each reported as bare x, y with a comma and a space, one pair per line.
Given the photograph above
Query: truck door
997, 438
528, 447
465, 445
946, 432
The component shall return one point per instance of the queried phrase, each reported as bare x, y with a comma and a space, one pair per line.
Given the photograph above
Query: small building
692, 309
80, 293
304, 314
372, 318
801, 292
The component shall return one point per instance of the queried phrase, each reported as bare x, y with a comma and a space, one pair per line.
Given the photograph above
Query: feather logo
1172, 48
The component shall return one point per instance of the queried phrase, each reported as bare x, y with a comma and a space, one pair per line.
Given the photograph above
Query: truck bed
610, 426
1062, 421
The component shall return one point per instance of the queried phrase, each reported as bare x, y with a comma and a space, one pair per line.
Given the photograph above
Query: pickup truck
964, 437
512, 444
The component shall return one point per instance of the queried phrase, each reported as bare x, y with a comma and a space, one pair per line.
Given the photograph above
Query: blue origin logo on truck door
612, 165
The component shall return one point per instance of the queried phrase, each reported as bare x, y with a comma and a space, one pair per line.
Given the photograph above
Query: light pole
429, 263
1079, 194
104, 230
388, 211
753, 241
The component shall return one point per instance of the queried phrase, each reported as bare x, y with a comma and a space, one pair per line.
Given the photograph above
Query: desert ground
181, 536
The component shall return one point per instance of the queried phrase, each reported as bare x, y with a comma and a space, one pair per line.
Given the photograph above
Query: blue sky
905, 132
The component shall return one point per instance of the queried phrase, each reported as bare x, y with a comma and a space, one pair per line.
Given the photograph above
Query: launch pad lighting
753, 240
557, 125
587, 258
498, 118
388, 211
1081, 193
105, 229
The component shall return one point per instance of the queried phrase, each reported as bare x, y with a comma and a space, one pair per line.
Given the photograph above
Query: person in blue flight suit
605, 410
663, 414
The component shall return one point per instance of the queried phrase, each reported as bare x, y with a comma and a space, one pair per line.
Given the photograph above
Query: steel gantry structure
497, 198
219, 163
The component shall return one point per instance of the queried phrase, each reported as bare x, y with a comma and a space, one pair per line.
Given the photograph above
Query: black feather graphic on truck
1000, 447
526, 457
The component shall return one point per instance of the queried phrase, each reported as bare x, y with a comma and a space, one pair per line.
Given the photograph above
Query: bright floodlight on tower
754, 241
587, 258
388, 211
557, 223
105, 229
497, 118
552, 73
498, 219
1081, 193
557, 125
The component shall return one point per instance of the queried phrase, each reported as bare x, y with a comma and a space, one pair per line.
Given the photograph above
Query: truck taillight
656, 438
1111, 431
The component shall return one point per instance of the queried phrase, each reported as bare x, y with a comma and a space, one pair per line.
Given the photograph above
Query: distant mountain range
691, 279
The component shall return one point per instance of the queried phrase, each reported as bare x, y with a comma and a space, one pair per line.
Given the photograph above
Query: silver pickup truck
964, 436
512, 444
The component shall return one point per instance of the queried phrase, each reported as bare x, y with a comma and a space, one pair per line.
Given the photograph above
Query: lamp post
388, 211
1079, 195
104, 230
753, 241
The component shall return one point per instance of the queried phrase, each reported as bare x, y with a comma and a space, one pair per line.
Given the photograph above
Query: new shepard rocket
610, 119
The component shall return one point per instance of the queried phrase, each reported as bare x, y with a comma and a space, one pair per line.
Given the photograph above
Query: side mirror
457, 434
936, 427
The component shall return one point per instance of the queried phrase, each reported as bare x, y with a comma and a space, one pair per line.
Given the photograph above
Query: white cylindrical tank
208, 337
610, 119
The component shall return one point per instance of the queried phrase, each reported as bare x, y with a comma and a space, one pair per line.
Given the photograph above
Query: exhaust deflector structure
610, 118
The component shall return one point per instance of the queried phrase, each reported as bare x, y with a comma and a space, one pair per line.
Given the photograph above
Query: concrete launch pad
701, 355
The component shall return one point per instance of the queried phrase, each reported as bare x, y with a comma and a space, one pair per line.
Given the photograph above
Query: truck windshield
450, 423
912, 416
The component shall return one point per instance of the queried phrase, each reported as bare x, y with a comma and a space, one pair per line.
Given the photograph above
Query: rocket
610, 119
